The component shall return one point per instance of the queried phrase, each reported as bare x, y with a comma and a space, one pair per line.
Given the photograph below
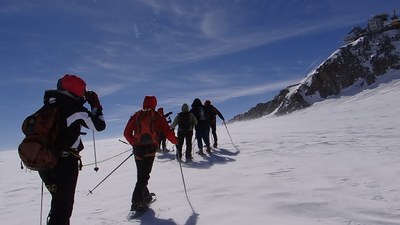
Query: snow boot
137, 206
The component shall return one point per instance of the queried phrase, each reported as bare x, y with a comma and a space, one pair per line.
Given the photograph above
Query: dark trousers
214, 132
61, 183
184, 136
203, 134
144, 164
163, 142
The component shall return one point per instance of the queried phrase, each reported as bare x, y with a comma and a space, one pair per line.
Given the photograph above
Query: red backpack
146, 132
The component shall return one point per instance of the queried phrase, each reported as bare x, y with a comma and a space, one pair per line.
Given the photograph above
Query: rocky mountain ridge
353, 66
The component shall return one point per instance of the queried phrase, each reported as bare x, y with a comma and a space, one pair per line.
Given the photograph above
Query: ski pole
183, 179
91, 191
124, 142
108, 158
230, 136
41, 205
194, 142
95, 155
184, 186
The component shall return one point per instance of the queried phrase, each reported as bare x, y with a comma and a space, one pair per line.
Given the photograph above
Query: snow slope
335, 163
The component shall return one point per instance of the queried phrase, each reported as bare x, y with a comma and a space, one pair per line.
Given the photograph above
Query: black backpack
40, 149
202, 113
184, 121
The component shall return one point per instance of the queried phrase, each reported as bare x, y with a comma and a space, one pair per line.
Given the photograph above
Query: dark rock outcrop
355, 65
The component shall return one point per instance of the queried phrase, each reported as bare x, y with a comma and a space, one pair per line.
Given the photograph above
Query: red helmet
73, 84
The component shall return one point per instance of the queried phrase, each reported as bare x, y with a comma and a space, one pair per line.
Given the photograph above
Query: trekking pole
41, 205
95, 155
194, 144
230, 137
184, 186
183, 179
124, 142
91, 191
210, 136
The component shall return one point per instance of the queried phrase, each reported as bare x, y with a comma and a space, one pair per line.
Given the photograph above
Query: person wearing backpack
162, 139
62, 179
141, 132
212, 113
186, 121
203, 126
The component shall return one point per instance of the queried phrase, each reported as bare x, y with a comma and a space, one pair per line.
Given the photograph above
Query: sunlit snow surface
335, 163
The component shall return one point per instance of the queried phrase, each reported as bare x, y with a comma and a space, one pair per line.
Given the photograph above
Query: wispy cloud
215, 36
224, 50
227, 93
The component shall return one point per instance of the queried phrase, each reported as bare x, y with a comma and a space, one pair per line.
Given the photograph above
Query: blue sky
236, 53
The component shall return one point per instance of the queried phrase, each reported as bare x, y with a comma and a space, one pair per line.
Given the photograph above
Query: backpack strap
75, 153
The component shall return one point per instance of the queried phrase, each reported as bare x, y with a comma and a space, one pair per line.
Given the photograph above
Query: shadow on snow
218, 156
149, 218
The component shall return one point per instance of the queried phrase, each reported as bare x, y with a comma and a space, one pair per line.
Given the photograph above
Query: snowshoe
200, 153
150, 199
139, 209
189, 160
134, 214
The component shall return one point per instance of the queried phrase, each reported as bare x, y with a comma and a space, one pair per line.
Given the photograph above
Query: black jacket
213, 112
196, 107
75, 116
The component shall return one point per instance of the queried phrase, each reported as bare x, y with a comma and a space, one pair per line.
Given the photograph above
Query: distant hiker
186, 121
62, 179
141, 132
212, 113
162, 139
203, 126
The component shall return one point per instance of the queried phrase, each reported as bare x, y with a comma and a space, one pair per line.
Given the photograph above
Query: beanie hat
185, 108
73, 84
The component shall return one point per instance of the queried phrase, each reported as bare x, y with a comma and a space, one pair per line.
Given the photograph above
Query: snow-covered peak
350, 69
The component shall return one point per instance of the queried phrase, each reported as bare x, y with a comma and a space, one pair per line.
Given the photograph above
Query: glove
93, 99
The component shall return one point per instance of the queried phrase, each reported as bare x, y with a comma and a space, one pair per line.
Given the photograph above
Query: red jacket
161, 124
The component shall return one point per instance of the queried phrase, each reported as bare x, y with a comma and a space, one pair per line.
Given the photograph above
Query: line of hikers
200, 118
142, 131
